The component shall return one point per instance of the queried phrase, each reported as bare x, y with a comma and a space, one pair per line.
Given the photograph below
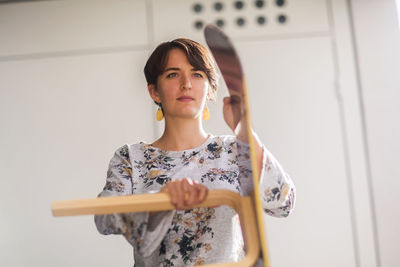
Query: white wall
72, 91
378, 49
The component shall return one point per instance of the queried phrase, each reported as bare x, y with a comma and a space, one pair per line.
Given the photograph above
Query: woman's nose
186, 82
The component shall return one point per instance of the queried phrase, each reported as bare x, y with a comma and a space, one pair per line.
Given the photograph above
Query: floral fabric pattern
200, 235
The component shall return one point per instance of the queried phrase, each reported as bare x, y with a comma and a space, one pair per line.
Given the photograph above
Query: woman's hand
233, 111
185, 193
235, 116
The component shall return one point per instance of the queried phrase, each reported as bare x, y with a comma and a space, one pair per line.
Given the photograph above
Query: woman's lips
185, 98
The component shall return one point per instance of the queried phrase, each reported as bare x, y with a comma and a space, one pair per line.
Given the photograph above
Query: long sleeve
144, 233
276, 187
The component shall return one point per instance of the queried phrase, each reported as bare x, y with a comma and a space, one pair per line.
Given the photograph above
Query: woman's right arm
118, 183
144, 232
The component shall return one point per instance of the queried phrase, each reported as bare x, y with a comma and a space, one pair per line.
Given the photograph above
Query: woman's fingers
170, 189
178, 190
198, 194
232, 110
180, 194
226, 100
190, 190
185, 193
202, 192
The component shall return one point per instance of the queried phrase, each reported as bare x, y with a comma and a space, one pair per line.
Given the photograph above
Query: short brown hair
198, 56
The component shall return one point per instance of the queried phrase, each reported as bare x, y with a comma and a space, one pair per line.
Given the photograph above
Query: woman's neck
181, 134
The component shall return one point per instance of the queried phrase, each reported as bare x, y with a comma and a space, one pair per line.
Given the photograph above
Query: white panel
61, 120
349, 97
295, 112
378, 48
48, 26
175, 18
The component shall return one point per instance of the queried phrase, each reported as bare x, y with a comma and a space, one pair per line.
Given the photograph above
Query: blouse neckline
172, 152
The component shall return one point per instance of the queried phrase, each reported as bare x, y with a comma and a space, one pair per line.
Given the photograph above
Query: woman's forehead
178, 59
175, 56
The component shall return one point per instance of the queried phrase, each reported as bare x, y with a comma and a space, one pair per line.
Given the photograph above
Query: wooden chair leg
160, 202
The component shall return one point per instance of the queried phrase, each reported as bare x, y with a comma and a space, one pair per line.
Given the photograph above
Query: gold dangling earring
206, 114
159, 114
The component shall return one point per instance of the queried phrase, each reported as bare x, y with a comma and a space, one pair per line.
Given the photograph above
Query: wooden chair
249, 208
160, 202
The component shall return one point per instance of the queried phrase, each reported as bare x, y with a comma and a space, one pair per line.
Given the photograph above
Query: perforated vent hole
239, 13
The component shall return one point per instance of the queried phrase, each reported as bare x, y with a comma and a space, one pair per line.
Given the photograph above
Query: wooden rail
161, 202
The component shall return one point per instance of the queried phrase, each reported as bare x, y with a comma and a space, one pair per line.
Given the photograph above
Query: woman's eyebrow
175, 69
172, 68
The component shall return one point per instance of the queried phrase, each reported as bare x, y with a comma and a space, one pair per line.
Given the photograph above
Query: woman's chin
187, 116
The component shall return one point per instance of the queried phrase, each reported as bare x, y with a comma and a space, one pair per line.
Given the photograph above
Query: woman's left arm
276, 187
278, 193
235, 117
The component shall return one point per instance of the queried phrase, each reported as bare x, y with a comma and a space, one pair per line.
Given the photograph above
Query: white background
324, 90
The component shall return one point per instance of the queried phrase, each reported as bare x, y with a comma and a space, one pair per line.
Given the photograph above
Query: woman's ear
153, 93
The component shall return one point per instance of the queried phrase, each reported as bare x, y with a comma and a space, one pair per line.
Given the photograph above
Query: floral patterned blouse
200, 235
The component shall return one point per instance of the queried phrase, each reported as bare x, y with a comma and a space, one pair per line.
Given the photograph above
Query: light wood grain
161, 202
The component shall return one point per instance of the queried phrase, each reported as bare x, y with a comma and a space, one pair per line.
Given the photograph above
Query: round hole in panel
280, 3
197, 8
220, 23
259, 3
198, 24
239, 5
218, 6
261, 20
240, 22
282, 19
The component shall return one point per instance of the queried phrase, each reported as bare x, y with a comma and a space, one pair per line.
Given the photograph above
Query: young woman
186, 162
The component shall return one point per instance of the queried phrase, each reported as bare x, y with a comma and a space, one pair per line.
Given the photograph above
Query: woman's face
181, 89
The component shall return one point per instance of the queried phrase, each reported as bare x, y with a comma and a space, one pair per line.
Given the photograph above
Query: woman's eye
172, 74
197, 74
